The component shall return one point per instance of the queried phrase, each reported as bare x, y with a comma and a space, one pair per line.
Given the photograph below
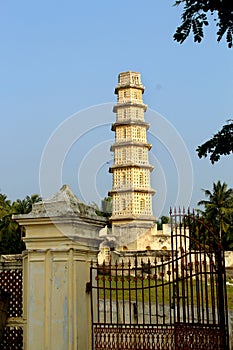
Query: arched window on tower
123, 154
124, 133
142, 205
138, 133
123, 177
141, 178
140, 154
123, 204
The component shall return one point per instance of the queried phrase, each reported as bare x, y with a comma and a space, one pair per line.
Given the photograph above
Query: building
132, 214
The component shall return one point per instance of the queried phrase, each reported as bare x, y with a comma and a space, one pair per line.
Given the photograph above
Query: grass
230, 297
159, 290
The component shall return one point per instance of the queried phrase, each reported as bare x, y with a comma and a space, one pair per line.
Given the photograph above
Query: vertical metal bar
191, 287
104, 289
201, 252
187, 252
206, 288
142, 291
110, 289
92, 315
197, 286
226, 305
116, 280
163, 297
123, 291
136, 289
98, 296
183, 295
156, 290
173, 268
129, 288
190, 224
220, 292
212, 282
177, 269
149, 290
170, 303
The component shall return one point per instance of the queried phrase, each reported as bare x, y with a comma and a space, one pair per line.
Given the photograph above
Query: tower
131, 190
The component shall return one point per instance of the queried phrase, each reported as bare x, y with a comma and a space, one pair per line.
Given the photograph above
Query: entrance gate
173, 300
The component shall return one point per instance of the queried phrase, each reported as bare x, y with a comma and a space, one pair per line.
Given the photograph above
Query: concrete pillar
61, 237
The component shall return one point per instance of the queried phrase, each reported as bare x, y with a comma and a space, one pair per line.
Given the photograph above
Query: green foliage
10, 232
218, 212
220, 144
194, 19
161, 221
107, 206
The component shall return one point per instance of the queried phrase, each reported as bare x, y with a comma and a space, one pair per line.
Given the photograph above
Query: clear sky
61, 57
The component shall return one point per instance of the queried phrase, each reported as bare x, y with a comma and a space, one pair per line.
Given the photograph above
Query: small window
141, 178
123, 178
142, 204
140, 154
138, 133
123, 155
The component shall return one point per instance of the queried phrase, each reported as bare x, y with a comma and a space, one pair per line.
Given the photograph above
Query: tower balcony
137, 218
147, 190
129, 103
130, 122
130, 165
130, 143
126, 85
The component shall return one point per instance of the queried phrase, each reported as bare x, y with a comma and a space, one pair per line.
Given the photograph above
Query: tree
10, 232
219, 210
107, 206
220, 144
25, 206
163, 220
194, 19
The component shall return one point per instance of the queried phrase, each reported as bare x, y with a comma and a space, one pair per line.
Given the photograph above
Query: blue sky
59, 58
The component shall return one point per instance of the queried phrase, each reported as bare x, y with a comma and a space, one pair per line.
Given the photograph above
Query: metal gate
176, 299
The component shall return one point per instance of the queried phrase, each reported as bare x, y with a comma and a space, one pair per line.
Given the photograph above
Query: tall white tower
131, 191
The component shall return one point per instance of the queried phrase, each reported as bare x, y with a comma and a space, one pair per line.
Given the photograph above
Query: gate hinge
88, 287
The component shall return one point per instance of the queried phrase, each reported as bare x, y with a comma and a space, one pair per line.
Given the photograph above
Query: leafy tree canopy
195, 18
218, 211
10, 232
163, 220
220, 144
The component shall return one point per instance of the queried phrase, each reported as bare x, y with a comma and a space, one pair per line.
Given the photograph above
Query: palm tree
24, 206
219, 206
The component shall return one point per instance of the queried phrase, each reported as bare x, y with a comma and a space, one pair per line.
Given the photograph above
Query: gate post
61, 237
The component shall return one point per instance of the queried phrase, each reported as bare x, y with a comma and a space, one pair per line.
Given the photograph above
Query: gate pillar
61, 237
